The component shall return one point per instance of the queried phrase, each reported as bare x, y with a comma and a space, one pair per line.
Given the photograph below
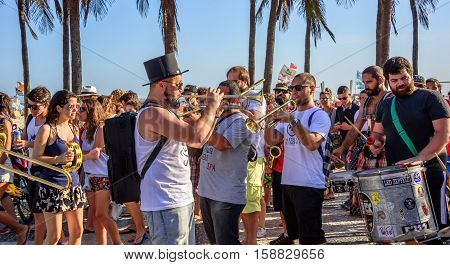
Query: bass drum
395, 203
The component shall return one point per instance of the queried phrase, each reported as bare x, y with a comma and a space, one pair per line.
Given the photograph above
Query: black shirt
349, 113
416, 113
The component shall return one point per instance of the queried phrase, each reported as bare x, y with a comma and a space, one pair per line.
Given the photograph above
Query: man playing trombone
304, 133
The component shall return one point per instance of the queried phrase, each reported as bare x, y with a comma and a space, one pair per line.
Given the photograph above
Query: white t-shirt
365, 127
302, 167
258, 138
32, 130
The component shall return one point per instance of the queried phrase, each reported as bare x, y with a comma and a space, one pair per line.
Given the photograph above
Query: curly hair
95, 117
116, 94
61, 98
5, 104
395, 65
108, 105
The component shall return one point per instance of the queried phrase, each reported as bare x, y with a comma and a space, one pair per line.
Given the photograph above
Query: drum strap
400, 130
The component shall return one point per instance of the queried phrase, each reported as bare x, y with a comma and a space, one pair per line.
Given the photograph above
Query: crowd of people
207, 164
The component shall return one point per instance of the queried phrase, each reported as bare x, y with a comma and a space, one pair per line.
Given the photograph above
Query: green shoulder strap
400, 130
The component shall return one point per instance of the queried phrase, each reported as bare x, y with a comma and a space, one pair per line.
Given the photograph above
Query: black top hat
162, 67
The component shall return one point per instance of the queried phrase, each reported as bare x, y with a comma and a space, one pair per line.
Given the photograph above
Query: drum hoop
393, 170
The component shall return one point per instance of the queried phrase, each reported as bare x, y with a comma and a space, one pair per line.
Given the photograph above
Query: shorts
6, 177
97, 183
53, 200
254, 186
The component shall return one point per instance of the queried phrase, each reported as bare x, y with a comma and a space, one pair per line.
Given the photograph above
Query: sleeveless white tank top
97, 167
167, 183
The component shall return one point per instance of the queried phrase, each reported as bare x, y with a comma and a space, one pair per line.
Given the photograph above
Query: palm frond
259, 12
33, 34
168, 9
316, 12
284, 10
98, 8
39, 12
58, 11
424, 7
346, 3
142, 6
393, 17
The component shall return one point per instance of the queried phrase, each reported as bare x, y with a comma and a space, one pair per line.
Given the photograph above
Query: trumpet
39, 163
255, 125
258, 97
202, 107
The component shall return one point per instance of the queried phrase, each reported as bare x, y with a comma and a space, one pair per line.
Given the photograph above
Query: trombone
250, 88
257, 97
255, 125
202, 107
39, 163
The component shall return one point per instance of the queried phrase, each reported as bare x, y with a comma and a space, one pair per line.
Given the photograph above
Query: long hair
61, 98
95, 117
5, 104
108, 106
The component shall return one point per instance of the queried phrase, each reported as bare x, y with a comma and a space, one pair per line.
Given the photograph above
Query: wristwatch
293, 122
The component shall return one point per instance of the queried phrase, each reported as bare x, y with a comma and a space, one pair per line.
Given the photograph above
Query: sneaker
282, 240
261, 232
116, 210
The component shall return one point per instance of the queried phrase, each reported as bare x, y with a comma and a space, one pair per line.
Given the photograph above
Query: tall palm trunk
308, 45
75, 45
383, 31
169, 25
66, 45
251, 42
23, 38
270, 45
415, 48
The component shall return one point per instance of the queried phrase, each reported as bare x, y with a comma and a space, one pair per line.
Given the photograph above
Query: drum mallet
369, 140
443, 168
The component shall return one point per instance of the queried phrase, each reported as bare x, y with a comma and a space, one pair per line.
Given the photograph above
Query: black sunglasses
343, 98
179, 85
35, 107
298, 88
82, 109
278, 91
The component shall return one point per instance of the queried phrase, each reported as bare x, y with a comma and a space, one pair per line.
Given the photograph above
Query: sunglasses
343, 98
72, 107
179, 85
298, 88
35, 106
82, 109
281, 91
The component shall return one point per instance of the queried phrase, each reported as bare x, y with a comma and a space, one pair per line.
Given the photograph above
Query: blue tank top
56, 149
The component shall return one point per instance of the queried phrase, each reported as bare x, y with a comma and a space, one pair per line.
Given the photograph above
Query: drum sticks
357, 130
443, 168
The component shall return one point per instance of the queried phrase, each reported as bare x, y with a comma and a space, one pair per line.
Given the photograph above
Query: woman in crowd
50, 147
6, 178
96, 171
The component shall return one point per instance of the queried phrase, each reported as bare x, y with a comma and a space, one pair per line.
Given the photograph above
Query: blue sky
214, 37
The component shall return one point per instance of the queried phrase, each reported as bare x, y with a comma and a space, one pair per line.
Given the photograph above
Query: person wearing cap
304, 134
419, 81
166, 189
88, 92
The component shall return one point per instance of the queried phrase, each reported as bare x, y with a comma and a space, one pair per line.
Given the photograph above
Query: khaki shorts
254, 186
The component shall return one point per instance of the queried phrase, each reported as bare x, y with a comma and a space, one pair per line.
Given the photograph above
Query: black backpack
122, 166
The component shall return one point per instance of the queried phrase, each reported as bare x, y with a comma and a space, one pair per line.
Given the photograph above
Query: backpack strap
398, 126
326, 157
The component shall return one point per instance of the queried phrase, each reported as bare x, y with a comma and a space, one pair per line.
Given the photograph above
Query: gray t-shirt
222, 174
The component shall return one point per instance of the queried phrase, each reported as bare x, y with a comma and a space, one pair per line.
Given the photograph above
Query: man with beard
166, 189
304, 133
376, 90
424, 116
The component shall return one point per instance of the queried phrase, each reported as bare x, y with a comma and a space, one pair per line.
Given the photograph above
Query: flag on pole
287, 74
358, 82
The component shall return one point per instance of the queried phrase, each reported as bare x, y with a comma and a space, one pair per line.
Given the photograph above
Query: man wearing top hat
166, 189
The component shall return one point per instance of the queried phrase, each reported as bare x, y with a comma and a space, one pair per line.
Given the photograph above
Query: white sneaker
261, 232
116, 210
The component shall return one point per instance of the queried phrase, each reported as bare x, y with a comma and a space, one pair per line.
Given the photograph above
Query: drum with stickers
340, 180
395, 203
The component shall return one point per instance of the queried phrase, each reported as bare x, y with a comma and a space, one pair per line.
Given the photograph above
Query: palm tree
419, 10
278, 9
251, 41
168, 20
98, 8
314, 13
40, 13
385, 17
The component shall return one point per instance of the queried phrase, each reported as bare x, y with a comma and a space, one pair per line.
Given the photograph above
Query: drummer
424, 116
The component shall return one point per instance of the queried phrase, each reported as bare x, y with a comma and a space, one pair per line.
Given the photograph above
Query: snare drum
395, 203
340, 180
